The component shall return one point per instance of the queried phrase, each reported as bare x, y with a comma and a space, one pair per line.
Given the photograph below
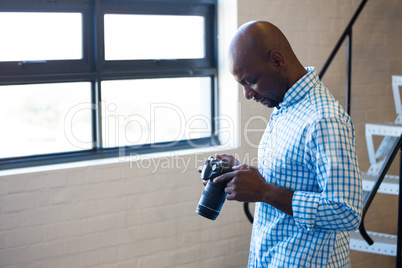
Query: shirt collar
300, 88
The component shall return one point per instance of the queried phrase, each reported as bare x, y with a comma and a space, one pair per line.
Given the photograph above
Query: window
87, 79
47, 36
144, 37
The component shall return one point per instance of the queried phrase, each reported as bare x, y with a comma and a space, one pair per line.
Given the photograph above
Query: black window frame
94, 69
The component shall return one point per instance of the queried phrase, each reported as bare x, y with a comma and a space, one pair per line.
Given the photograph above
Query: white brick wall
116, 216
142, 214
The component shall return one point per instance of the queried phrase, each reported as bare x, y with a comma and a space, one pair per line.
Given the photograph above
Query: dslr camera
214, 195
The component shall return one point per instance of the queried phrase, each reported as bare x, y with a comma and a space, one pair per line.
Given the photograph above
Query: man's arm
330, 149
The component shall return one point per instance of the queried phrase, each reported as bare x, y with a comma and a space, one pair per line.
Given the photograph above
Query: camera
214, 195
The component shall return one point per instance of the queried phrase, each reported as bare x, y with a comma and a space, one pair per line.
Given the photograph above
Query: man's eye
250, 82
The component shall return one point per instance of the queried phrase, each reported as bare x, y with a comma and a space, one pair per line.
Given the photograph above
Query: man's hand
228, 158
244, 184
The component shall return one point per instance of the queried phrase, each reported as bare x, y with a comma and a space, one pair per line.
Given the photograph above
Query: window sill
114, 160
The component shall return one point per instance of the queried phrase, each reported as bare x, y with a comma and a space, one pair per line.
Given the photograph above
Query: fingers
228, 158
223, 157
224, 177
230, 190
200, 169
242, 167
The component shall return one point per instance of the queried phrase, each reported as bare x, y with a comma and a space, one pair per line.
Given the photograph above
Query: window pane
29, 36
134, 37
44, 118
148, 111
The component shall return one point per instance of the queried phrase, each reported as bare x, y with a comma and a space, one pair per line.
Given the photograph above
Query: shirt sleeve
330, 150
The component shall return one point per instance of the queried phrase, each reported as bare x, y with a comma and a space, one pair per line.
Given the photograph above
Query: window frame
94, 69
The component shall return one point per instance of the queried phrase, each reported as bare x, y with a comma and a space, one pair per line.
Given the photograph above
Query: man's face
260, 79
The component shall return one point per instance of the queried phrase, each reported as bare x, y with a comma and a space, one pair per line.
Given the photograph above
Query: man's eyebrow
243, 80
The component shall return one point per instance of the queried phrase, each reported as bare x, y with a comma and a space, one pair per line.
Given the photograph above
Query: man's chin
269, 104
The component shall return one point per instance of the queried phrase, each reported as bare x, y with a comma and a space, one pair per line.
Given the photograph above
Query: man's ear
277, 58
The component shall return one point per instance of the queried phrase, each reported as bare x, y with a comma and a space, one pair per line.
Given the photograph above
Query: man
307, 186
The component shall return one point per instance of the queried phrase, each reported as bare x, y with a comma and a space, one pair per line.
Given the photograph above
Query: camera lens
212, 200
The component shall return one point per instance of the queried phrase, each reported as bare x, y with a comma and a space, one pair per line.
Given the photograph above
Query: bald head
254, 41
258, 37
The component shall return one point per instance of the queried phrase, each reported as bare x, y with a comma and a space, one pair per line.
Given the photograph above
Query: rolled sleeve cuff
305, 206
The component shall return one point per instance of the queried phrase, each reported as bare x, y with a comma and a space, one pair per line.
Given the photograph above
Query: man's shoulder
322, 104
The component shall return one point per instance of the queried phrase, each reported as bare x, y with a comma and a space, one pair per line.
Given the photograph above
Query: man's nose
248, 92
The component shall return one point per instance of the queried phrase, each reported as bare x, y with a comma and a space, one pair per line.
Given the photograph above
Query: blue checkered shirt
308, 147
